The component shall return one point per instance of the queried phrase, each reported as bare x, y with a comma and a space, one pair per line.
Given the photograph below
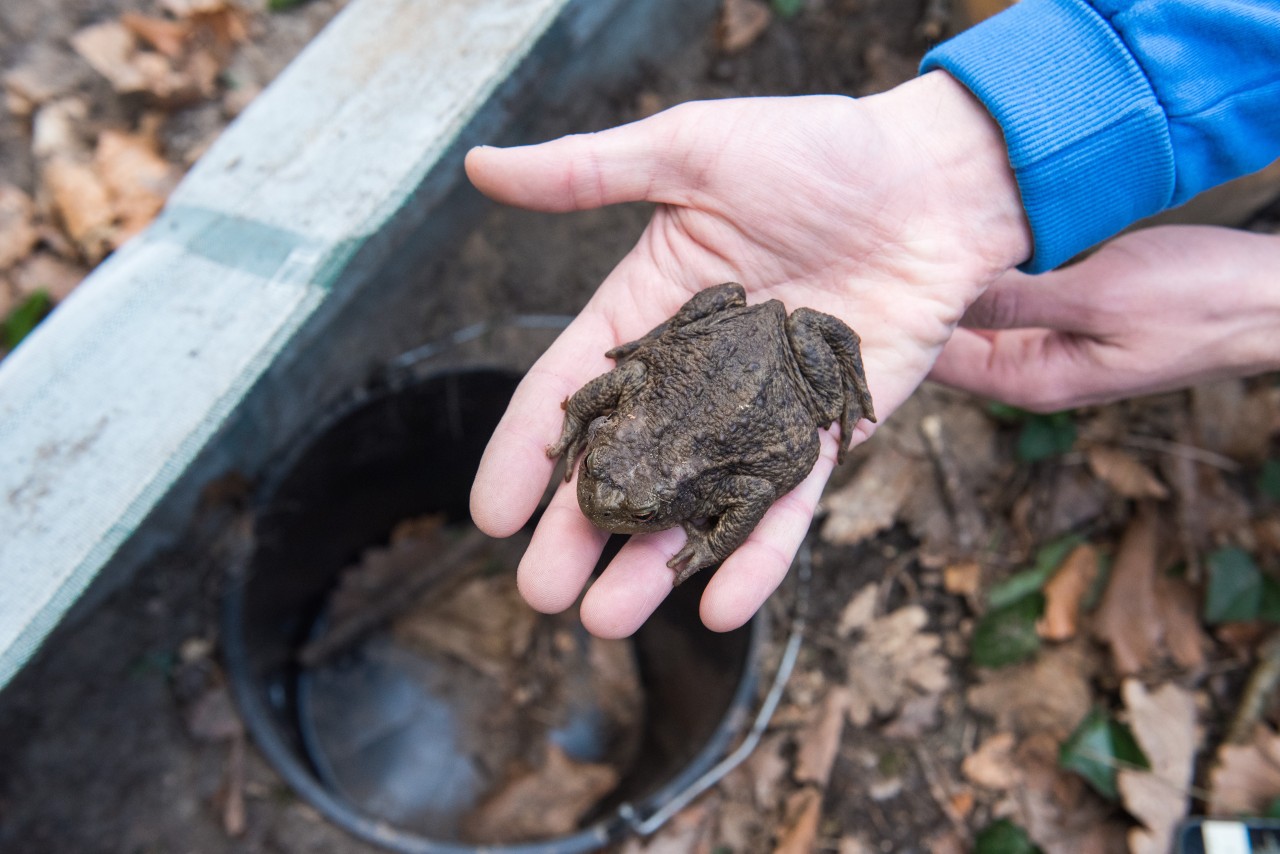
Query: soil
119, 736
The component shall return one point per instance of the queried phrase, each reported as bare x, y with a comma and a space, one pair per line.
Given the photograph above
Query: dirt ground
985, 581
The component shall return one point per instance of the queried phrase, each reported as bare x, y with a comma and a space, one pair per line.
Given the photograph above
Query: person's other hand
892, 213
1154, 310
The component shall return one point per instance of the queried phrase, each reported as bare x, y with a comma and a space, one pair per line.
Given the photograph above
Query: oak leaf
894, 661
1163, 722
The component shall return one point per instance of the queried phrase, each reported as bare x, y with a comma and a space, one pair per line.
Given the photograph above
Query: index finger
514, 469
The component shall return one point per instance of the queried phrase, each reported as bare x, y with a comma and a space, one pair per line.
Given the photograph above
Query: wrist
970, 176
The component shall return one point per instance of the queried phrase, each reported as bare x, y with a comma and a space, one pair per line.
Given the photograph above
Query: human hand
1154, 310
892, 213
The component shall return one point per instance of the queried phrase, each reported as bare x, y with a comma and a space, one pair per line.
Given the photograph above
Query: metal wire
650, 824
431, 349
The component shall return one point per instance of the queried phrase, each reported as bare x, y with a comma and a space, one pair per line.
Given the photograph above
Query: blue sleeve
1113, 111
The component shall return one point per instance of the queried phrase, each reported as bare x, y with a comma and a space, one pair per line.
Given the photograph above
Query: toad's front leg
598, 397
744, 500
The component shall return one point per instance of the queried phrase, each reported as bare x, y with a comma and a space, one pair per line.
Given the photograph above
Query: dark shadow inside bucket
398, 454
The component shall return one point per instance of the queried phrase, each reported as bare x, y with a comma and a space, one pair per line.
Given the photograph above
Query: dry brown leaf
1055, 807
58, 129
221, 28
1229, 420
1209, 511
799, 834
962, 579
1072, 498
767, 767
166, 36
1050, 694
991, 765
819, 742
1179, 608
1267, 533
945, 842
917, 716
1125, 473
894, 661
46, 73
1164, 723
738, 826
858, 611
7, 297
112, 49
1246, 777
961, 803
854, 844
871, 501
741, 23
44, 272
1128, 618
191, 8
483, 622
201, 71
137, 177
1064, 592
18, 234
547, 801
82, 203
109, 49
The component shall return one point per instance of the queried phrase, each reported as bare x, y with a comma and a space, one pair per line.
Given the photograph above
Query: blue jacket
1116, 110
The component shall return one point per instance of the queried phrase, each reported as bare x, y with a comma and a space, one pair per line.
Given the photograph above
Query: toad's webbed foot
745, 500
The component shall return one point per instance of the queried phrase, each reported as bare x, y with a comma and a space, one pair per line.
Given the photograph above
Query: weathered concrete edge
306, 276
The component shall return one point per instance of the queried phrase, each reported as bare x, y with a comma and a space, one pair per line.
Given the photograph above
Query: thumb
1056, 300
622, 164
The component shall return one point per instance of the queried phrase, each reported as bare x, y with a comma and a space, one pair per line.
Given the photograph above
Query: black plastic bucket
396, 454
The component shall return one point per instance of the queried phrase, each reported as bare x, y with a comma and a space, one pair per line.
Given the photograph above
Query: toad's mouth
610, 509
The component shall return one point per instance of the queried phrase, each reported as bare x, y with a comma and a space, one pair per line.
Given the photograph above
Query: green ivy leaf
24, 318
1048, 558
1269, 480
1006, 413
1003, 837
787, 8
1269, 607
1008, 635
1098, 748
1045, 436
1235, 587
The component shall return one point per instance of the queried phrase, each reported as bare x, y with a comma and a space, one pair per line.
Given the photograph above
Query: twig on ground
1257, 691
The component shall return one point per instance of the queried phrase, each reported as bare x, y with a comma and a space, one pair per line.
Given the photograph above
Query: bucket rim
260, 720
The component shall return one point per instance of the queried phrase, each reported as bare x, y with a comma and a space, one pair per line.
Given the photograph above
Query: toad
710, 418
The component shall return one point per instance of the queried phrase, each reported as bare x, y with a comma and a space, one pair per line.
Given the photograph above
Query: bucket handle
648, 825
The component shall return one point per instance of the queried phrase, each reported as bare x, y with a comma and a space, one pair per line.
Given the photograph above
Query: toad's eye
644, 516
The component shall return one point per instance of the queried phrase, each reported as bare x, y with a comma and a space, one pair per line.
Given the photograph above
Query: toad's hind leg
830, 359
598, 397
702, 304
744, 500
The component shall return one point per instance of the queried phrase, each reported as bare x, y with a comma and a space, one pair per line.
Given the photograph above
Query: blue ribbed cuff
1088, 140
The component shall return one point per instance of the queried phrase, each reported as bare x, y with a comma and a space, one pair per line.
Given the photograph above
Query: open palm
839, 205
